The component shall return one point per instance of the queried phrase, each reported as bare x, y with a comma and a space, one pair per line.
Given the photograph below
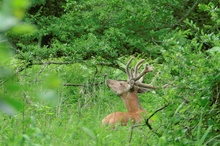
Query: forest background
56, 55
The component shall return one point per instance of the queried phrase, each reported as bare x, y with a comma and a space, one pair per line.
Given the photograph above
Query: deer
128, 91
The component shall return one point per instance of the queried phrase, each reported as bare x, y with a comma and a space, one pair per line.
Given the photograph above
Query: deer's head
128, 91
134, 82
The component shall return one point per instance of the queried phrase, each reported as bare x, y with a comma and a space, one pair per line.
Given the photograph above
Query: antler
129, 73
137, 66
134, 78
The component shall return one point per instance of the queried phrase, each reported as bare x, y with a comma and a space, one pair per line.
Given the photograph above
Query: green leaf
202, 140
10, 106
7, 22
214, 50
20, 29
49, 97
5, 53
90, 133
52, 81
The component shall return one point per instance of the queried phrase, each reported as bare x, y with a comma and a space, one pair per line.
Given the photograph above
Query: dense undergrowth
69, 115
59, 97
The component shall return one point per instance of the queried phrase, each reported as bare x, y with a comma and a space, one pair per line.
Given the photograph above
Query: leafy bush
52, 80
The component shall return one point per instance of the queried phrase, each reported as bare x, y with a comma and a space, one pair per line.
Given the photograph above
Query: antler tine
145, 85
148, 86
145, 70
132, 73
137, 67
130, 76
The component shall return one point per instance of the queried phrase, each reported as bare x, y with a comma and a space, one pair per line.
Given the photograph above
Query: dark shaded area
46, 40
50, 7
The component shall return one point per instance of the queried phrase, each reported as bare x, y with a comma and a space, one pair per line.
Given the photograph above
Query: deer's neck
131, 102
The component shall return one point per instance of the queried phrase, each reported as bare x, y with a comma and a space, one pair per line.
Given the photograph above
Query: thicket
56, 55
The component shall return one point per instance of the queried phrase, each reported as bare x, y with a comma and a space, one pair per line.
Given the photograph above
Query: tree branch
113, 65
147, 123
70, 84
186, 14
42, 69
51, 62
91, 84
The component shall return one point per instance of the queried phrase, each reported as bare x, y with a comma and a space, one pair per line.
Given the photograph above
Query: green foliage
11, 101
108, 29
10, 14
81, 43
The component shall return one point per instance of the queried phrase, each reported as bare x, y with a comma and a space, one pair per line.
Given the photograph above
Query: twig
158, 111
113, 65
25, 98
186, 14
70, 84
51, 62
155, 77
91, 84
42, 69
31, 63
147, 123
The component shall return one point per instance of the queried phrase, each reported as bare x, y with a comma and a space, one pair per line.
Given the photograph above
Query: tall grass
76, 117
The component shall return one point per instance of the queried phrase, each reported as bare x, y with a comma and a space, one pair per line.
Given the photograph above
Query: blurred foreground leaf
22, 29
10, 106
48, 96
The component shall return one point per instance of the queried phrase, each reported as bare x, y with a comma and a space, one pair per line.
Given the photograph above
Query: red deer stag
128, 91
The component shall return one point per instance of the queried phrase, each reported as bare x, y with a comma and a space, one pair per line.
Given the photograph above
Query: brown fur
130, 99
128, 91
123, 118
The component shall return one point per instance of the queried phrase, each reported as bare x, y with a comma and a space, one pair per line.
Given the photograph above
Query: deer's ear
143, 90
